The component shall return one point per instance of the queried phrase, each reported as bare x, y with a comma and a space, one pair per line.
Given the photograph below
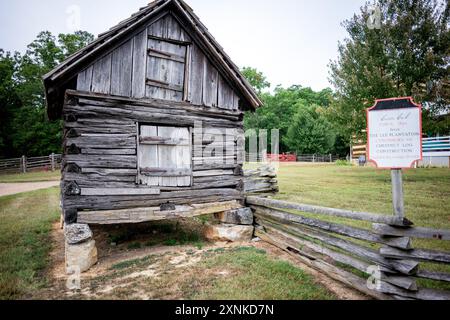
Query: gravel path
13, 188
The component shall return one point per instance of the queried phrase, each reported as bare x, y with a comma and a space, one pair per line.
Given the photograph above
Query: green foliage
25, 240
256, 79
343, 163
284, 109
310, 132
25, 129
408, 56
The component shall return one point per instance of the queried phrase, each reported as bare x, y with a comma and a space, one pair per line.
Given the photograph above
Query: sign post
394, 139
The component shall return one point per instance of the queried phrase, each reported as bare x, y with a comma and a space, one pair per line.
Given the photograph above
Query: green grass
26, 221
254, 275
426, 191
37, 176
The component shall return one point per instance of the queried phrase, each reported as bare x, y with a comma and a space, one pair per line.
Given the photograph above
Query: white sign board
394, 133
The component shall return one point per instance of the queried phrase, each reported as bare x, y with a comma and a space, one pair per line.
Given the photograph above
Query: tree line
407, 55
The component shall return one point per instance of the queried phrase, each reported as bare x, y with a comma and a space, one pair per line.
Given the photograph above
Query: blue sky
291, 41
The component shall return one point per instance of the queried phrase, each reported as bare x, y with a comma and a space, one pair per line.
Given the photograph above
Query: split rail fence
383, 261
24, 164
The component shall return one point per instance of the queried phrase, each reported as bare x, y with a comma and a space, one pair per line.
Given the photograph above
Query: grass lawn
427, 197
37, 176
240, 273
26, 221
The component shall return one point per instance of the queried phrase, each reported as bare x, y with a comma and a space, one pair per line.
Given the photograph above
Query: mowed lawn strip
26, 222
37, 176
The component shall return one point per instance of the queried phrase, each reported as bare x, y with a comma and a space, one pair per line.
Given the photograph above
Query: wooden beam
119, 191
329, 211
416, 232
416, 254
344, 230
140, 215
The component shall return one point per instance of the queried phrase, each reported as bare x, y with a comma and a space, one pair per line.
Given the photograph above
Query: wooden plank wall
124, 71
100, 152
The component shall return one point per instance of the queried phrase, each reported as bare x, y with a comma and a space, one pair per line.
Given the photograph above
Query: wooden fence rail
384, 254
24, 164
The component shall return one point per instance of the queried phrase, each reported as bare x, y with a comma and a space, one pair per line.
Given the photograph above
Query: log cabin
153, 121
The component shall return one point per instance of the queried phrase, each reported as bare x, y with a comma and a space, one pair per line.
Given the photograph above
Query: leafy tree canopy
25, 129
407, 56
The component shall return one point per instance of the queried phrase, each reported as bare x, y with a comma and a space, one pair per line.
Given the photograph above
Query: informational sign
394, 133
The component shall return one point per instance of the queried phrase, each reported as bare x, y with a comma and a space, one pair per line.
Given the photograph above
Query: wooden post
52, 159
331, 158
397, 193
24, 164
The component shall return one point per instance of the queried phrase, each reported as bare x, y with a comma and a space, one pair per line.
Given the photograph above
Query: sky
290, 41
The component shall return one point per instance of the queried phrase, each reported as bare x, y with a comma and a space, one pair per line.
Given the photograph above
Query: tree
256, 79
408, 56
9, 100
25, 128
280, 107
310, 132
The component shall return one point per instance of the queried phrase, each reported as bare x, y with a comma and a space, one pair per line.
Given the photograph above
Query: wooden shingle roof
62, 77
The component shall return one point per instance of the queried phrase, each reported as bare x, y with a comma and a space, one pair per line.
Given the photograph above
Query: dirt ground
14, 188
156, 272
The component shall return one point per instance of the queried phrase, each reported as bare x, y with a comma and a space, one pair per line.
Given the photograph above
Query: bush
343, 163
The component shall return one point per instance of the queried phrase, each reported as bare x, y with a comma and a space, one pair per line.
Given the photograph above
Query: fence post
314, 158
331, 158
52, 159
24, 164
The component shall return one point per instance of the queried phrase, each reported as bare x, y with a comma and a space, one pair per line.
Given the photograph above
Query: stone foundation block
229, 233
243, 216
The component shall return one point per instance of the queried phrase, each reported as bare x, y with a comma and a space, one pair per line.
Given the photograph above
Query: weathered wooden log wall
261, 181
160, 62
100, 162
384, 253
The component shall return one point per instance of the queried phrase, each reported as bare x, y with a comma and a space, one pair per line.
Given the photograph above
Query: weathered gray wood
139, 65
416, 232
225, 95
86, 179
339, 257
196, 75
344, 230
106, 162
328, 211
407, 283
165, 77
101, 75
144, 114
84, 79
402, 266
165, 172
416, 254
167, 141
119, 191
422, 293
210, 84
434, 275
148, 155
121, 70
91, 98
212, 173
175, 197
110, 172
397, 193
108, 151
318, 264
140, 215
103, 141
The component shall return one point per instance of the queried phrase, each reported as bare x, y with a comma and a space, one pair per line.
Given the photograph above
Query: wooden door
166, 70
165, 156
